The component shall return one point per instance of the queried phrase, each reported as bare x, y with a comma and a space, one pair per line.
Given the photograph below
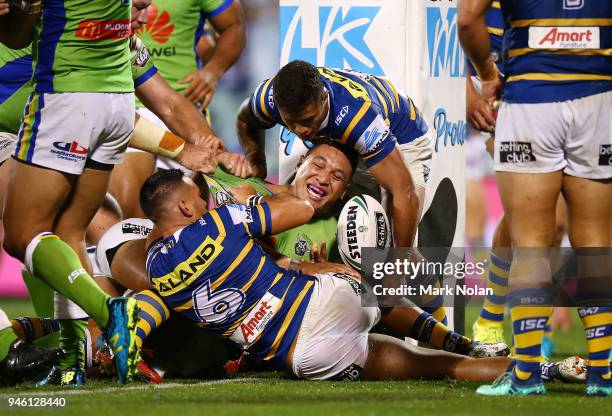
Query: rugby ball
362, 223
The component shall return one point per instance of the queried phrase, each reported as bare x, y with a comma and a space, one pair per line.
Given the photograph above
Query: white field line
78, 391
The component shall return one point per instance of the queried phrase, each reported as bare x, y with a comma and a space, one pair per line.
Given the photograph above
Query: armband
254, 200
153, 139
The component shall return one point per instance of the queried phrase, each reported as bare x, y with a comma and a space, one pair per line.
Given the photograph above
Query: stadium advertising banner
414, 44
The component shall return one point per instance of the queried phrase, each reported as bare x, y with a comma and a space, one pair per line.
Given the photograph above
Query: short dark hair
297, 85
157, 188
350, 153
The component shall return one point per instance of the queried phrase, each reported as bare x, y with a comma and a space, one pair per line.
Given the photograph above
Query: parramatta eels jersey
83, 46
16, 77
295, 243
495, 26
365, 112
213, 273
556, 50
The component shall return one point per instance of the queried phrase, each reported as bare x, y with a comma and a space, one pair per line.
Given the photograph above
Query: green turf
270, 393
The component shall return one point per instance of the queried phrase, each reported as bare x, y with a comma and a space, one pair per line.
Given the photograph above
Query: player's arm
474, 37
392, 174
479, 113
251, 134
229, 24
273, 214
17, 21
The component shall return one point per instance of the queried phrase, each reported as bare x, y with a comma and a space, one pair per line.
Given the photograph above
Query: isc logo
446, 58
332, 36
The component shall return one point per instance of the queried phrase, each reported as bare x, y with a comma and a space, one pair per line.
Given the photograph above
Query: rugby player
208, 267
553, 133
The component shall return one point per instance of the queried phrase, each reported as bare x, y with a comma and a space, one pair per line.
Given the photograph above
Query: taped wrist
153, 139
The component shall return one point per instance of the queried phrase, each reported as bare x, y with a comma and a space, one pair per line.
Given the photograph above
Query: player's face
323, 177
307, 123
193, 198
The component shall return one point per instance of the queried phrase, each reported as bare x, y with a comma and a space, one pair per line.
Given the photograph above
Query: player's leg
393, 359
127, 179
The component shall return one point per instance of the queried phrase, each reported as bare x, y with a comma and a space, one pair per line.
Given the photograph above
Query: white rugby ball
362, 223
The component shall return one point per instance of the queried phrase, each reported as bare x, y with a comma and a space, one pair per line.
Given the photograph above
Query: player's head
324, 173
301, 98
170, 196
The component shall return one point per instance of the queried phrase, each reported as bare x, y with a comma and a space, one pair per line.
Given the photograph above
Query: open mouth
315, 192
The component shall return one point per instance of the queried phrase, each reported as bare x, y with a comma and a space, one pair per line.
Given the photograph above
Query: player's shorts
333, 338
117, 235
160, 161
8, 142
574, 136
417, 158
68, 131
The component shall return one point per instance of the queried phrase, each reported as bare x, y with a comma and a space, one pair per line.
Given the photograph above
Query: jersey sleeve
369, 134
254, 221
262, 105
143, 67
212, 8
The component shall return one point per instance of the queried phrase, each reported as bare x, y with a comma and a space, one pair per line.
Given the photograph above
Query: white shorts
417, 158
574, 136
63, 131
120, 233
333, 337
160, 161
8, 142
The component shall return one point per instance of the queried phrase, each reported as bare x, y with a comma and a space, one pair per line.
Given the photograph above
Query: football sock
492, 310
435, 334
41, 296
597, 321
72, 341
7, 335
434, 304
153, 312
30, 329
53, 261
529, 310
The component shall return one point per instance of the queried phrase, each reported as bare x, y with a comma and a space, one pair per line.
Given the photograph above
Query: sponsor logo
343, 112
76, 273
597, 332
103, 29
446, 58
159, 27
240, 214
187, 271
516, 152
451, 133
350, 373
332, 36
564, 37
605, 155
303, 244
140, 54
381, 230
131, 228
289, 139
72, 151
222, 198
588, 311
355, 285
271, 97
351, 233
573, 4
255, 322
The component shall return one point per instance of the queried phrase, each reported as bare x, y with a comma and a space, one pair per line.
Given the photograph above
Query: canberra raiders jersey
213, 273
172, 33
295, 243
556, 50
15, 86
83, 46
365, 112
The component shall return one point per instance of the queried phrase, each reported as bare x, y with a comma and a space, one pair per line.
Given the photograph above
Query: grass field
273, 393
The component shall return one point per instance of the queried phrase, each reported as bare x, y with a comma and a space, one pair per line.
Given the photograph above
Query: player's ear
299, 164
185, 209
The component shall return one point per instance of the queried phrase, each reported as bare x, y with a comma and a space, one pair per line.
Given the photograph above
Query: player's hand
236, 164
197, 158
4, 7
211, 141
479, 112
242, 192
140, 16
492, 83
202, 86
316, 255
327, 267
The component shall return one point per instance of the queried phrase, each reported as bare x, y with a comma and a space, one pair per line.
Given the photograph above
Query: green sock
41, 296
72, 341
53, 261
7, 337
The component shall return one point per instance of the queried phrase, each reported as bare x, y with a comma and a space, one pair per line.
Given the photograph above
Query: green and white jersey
83, 46
15, 86
295, 243
172, 34
143, 67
